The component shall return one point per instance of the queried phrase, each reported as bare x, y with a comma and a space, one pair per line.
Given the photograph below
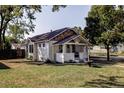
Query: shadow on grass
103, 62
55, 64
98, 62
61, 64
105, 82
3, 66
43, 63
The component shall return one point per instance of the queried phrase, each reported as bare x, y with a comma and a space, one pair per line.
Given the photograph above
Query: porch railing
60, 57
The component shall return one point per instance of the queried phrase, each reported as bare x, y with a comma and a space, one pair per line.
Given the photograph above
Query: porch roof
66, 40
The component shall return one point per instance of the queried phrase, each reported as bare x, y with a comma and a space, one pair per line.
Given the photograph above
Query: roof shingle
47, 36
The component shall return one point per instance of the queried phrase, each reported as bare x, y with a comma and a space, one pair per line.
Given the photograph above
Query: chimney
51, 30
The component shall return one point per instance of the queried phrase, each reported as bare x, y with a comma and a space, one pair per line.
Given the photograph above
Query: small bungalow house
62, 45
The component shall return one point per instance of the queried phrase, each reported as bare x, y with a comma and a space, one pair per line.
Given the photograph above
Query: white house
119, 48
98, 49
101, 49
62, 45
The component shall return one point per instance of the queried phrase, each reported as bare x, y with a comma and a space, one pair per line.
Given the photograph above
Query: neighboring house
98, 49
119, 48
17, 46
62, 45
101, 49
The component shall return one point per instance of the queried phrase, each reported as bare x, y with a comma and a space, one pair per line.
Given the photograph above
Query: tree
9, 15
105, 25
7, 43
108, 39
78, 30
16, 32
18, 20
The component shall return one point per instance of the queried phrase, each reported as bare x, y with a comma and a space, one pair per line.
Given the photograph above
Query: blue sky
67, 17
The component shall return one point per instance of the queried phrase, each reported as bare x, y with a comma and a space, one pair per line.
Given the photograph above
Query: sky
67, 17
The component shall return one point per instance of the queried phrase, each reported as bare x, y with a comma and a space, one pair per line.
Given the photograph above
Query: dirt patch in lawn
3, 66
12, 63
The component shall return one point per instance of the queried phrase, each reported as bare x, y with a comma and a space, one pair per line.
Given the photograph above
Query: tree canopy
78, 30
17, 20
105, 25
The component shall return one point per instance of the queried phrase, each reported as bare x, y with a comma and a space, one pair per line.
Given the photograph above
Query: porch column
86, 53
63, 52
34, 52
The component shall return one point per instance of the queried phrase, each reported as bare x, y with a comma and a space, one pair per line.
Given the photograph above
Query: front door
73, 48
76, 55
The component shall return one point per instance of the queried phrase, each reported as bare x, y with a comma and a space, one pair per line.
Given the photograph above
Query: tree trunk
0, 39
3, 35
108, 56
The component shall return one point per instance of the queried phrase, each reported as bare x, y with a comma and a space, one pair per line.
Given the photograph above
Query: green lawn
29, 75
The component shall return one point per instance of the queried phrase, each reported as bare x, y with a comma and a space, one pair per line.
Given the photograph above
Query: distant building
119, 48
17, 46
98, 49
101, 49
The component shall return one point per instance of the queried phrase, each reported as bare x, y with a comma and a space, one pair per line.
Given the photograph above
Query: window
43, 44
39, 45
30, 48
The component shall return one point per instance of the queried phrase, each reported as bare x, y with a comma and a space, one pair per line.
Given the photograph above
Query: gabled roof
68, 39
47, 36
65, 40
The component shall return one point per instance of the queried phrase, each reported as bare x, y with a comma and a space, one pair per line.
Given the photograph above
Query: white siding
43, 51
52, 50
31, 55
68, 56
61, 57
81, 55
85, 54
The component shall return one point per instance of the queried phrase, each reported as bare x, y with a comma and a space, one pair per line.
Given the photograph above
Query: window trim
44, 45
31, 48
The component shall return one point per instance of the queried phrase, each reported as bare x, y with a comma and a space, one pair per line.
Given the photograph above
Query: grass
42, 76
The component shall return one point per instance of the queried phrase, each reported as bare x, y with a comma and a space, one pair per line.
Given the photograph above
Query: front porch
71, 53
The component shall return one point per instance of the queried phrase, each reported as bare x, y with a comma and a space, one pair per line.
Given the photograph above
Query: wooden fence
12, 54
